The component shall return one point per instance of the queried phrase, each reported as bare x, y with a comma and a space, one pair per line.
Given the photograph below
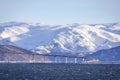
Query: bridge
44, 58
56, 56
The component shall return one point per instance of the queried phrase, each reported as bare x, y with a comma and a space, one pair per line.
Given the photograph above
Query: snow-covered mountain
73, 38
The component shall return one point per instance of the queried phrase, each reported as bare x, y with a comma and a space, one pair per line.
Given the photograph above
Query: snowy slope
73, 38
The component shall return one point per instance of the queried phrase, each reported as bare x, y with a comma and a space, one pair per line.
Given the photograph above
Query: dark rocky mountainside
12, 53
106, 55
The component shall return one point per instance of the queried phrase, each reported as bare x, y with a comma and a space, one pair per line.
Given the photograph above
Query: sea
59, 71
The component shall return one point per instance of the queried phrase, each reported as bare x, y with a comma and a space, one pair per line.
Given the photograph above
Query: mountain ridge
74, 38
10, 53
106, 55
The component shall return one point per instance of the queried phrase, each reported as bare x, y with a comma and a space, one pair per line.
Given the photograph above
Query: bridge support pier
75, 60
44, 59
66, 59
55, 59
83, 60
33, 58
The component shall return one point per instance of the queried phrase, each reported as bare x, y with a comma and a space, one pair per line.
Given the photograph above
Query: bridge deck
58, 55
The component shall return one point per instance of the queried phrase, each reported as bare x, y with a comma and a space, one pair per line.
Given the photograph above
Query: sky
60, 11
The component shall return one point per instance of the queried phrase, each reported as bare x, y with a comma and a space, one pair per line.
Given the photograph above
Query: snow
75, 38
12, 32
116, 27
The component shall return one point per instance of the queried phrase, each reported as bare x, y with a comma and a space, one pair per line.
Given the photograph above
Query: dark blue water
29, 71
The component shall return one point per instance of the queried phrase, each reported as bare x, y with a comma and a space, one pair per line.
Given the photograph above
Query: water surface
36, 71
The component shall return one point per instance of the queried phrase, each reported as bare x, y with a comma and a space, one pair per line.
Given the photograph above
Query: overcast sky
60, 11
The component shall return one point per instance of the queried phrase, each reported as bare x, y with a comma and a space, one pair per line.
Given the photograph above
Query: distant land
97, 42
